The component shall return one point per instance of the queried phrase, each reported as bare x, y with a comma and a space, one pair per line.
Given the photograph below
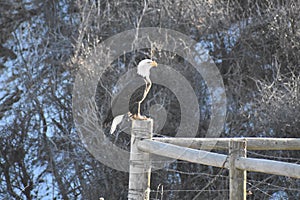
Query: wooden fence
195, 150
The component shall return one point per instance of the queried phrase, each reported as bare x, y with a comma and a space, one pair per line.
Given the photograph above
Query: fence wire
184, 180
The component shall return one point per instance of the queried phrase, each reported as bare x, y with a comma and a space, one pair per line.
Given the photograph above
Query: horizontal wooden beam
219, 160
183, 153
222, 143
268, 166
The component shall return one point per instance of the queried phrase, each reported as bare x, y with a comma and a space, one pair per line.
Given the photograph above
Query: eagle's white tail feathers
117, 120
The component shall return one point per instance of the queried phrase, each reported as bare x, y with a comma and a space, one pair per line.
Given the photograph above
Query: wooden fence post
237, 181
140, 165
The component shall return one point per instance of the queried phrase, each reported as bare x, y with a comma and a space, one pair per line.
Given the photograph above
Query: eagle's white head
143, 68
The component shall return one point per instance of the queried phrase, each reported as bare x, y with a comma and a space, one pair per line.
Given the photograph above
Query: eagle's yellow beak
153, 64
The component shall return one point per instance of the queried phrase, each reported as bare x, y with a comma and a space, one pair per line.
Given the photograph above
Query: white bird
143, 69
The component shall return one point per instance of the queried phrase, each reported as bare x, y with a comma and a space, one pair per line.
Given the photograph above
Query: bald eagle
143, 70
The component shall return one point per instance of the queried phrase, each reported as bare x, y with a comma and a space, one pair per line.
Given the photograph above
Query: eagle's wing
117, 120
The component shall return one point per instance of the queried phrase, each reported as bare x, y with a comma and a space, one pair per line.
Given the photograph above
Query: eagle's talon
138, 117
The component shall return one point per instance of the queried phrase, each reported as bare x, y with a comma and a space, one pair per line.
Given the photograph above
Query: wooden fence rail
219, 160
183, 153
268, 167
222, 143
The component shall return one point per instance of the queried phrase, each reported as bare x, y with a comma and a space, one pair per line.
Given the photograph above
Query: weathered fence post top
140, 165
142, 129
